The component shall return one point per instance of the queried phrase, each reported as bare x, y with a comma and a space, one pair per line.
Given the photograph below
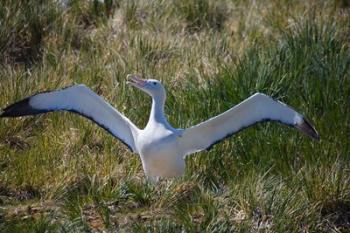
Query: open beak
135, 81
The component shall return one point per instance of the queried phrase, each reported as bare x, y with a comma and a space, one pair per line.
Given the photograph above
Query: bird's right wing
256, 108
83, 101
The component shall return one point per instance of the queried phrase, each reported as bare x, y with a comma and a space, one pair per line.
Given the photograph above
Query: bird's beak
135, 81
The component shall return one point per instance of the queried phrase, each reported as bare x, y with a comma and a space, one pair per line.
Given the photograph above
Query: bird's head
151, 86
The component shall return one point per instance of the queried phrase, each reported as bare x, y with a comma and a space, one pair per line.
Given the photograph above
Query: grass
59, 172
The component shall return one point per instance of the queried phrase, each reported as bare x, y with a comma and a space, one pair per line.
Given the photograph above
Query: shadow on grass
337, 212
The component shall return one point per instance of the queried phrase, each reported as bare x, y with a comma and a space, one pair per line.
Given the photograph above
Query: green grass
61, 173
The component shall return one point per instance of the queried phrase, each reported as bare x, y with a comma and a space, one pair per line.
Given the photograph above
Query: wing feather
257, 108
83, 101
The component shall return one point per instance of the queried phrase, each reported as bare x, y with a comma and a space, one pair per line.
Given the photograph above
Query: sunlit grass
59, 172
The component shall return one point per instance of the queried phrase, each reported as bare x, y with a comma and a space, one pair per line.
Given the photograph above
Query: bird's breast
160, 155
154, 145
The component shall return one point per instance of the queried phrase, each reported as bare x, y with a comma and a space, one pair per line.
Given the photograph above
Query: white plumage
161, 147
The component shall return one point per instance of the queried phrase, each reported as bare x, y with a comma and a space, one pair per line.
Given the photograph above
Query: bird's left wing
83, 101
256, 108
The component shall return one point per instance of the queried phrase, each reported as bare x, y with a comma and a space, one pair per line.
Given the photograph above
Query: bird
161, 147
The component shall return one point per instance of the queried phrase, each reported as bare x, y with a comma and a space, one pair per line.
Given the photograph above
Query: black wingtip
20, 108
306, 128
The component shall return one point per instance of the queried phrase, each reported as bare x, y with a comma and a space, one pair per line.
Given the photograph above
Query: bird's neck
157, 111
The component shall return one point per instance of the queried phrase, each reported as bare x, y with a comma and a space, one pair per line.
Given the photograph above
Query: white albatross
161, 147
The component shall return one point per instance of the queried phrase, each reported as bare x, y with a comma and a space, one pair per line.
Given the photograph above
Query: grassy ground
59, 172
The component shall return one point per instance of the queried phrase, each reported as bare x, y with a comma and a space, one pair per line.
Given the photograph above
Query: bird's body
161, 147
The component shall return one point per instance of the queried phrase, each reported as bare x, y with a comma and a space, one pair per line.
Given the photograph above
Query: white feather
256, 108
82, 100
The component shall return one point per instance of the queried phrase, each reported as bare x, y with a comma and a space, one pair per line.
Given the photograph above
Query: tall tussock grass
61, 173
24, 27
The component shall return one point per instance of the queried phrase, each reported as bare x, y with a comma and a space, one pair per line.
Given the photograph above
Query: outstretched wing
256, 108
83, 101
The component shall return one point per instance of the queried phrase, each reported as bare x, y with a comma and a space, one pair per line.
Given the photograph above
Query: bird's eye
154, 83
